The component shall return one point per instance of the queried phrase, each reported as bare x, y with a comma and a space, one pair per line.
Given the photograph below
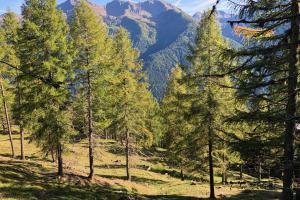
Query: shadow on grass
24, 180
172, 173
245, 195
28, 157
110, 166
31, 181
135, 179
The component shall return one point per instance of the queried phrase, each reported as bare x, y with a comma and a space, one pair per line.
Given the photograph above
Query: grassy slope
35, 177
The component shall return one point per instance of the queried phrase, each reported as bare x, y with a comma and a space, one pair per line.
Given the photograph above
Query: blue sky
189, 6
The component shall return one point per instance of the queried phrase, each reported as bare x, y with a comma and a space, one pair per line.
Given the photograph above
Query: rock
194, 183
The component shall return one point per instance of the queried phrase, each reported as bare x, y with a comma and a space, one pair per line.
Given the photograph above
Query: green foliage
92, 50
43, 50
267, 82
174, 109
196, 103
134, 103
10, 25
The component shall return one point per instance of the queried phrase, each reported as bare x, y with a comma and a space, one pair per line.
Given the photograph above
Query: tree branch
47, 81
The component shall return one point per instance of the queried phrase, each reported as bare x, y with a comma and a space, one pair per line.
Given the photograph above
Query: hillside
35, 178
161, 32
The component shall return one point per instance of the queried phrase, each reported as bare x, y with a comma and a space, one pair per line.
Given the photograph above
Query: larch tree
268, 73
134, 100
43, 50
92, 48
174, 109
9, 27
211, 103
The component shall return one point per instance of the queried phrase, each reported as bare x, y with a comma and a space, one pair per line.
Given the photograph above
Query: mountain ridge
159, 30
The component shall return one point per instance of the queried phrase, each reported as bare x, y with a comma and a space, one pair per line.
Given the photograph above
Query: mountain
68, 6
159, 30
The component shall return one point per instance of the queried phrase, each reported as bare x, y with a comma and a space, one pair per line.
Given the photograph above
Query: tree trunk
224, 178
181, 175
297, 193
224, 171
3, 125
90, 128
211, 165
259, 171
288, 171
127, 152
7, 118
60, 161
52, 155
241, 172
22, 143
20, 124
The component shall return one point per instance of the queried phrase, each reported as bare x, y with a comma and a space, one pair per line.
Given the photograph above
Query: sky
189, 6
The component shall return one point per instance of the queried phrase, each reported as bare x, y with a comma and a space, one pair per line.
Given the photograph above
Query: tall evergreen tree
9, 26
210, 101
174, 109
91, 44
268, 73
44, 56
133, 102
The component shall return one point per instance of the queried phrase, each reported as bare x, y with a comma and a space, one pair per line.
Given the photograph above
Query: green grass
152, 179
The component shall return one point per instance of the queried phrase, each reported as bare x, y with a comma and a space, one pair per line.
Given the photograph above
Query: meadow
152, 178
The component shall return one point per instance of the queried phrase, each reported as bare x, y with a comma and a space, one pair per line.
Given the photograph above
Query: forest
80, 122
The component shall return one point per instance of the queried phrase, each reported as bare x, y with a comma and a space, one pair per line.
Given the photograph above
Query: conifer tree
174, 109
133, 99
9, 26
268, 73
92, 46
45, 60
209, 100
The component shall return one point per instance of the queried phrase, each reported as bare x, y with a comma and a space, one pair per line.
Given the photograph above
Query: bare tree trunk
211, 164
90, 128
60, 161
52, 155
7, 118
127, 152
224, 171
241, 172
181, 175
290, 130
224, 178
20, 123
22, 143
259, 171
3, 125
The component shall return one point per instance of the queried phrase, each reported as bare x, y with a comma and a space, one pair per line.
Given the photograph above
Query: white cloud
192, 6
177, 2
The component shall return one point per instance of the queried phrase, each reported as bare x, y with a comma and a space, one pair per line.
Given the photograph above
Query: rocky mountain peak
68, 7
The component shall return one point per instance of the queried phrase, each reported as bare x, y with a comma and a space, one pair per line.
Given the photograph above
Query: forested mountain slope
161, 32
